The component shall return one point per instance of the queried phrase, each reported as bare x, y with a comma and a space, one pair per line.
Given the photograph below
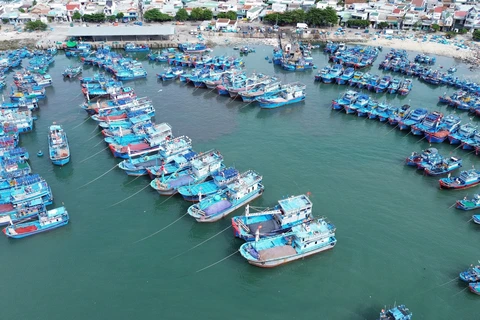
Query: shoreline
10, 39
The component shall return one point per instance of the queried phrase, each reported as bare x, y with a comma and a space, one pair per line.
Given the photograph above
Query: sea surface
129, 253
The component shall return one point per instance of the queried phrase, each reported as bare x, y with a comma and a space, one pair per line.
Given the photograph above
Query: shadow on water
63, 173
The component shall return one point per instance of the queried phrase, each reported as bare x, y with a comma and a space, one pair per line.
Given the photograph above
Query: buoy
39, 153
266, 58
269, 61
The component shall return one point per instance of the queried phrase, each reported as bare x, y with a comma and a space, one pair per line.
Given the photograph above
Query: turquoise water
398, 240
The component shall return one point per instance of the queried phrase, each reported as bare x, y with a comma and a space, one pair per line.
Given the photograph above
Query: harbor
390, 221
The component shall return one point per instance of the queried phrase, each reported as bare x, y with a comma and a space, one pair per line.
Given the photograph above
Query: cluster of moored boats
356, 57
337, 74
433, 125
293, 59
397, 61
472, 277
180, 59
462, 100
24, 196
268, 91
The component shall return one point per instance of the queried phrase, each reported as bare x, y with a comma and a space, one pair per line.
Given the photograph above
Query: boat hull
61, 162
277, 262
45, 229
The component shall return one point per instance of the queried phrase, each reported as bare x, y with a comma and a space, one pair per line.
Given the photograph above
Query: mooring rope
86, 184
81, 123
93, 155
217, 262
148, 185
158, 231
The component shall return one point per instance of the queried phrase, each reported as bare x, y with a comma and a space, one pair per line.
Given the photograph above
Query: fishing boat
27, 188
347, 98
471, 143
368, 109
345, 76
394, 86
425, 156
438, 134
383, 84
131, 47
335, 71
304, 240
476, 218
445, 166
464, 132
19, 152
236, 194
357, 77
72, 72
472, 274
384, 113
288, 213
403, 112
396, 313
21, 212
295, 92
361, 101
363, 82
416, 116
192, 47
50, 220
468, 204
429, 123
373, 82
175, 162
322, 73
474, 287
58, 145
466, 179
201, 168
405, 87
219, 181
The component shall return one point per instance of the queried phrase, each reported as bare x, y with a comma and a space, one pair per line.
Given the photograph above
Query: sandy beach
58, 33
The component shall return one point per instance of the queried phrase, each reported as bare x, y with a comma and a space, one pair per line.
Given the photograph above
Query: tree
435, 27
196, 14
330, 15
34, 3
21, 10
358, 23
76, 16
111, 18
207, 14
181, 15
120, 16
298, 16
35, 25
5, 21
156, 15
94, 17
232, 15
462, 31
383, 25
476, 35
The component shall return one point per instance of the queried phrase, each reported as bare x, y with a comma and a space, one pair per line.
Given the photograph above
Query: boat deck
267, 226
277, 252
61, 152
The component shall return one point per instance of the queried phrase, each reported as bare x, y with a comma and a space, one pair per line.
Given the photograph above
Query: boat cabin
294, 209
312, 234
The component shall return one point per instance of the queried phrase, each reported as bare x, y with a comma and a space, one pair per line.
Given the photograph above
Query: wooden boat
288, 213
474, 287
236, 194
21, 212
472, 274
445, 166
72, 72
466, 179
219, 181
304, 240
47, 221
396, 313
416, 116
468, 204
416, 158
464, 132
59, 149
476, 218
201, 169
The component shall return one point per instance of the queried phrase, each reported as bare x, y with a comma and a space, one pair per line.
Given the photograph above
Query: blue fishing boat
363, 82
131, 47
49, 220
21, 212
430, 123
446, 165
280, 219
367, 109
373, 112
14, 167
335, 71
476, 218
219, 181
468, 204
347, 99
472, 274
202, 168
345, 76
19, 153
416, 116
383, 84
474, 287
373, 82
361, 101
72, 72
294, 92
464, 132
424, 157
466, 179
236, 194
58, 147
176, 162
472, 143
357, 77
304, 240
322, 73
384, 113
405, 87
27, 188
440, 133
394, 86
192, 47
396, 313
